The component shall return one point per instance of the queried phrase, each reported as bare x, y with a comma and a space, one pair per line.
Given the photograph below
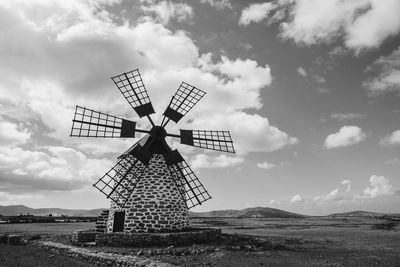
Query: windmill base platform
186, 237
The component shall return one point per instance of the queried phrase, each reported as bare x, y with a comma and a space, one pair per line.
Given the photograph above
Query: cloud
55, 168
273, 202
388, 75
255, 13
347, 136
379, 187
12, 134
164, 11
219, 4
258, 136
302, 71
203, 161
266, 165
347, 183
392, 139
373, 26
232, 82
297, 198
346, 117
362, 24
319, 79
332, 196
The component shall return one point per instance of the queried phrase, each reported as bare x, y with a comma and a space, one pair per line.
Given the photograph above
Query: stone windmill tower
151, 187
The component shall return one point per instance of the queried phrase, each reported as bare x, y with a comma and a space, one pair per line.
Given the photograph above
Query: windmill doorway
119, 220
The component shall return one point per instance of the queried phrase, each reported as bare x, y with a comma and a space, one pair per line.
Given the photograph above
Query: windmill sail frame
119, 183
182, 102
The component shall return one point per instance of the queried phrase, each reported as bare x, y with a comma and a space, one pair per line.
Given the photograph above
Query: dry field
313, 241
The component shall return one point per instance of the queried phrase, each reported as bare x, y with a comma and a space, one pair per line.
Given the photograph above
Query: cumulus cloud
203, 161
258, 136
347, 116
297, 198
362, 24
12, 134
164, 11
266, 165
347, 183
347, 136
255, 13
274, 202
387, 78
302, 71
319, 79
379, 21
55, 168
219, 4
379, 187
392, 139
332, 196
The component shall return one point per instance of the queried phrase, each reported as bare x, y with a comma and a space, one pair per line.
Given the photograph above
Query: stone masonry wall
195, 236
155, 204
101, 222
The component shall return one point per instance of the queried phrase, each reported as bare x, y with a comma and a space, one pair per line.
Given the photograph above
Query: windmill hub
158, 133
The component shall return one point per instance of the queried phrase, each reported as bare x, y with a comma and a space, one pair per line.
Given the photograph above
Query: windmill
151, 187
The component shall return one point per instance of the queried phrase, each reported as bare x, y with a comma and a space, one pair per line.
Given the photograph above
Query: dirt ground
29, 256
314, 241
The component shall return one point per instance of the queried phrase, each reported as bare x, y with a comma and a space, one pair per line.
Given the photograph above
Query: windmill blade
190, 187
214, 140
120, 181
182, 102
131, 86
193, 189
90, 123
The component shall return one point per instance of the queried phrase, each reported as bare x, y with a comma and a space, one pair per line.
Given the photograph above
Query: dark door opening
119, 219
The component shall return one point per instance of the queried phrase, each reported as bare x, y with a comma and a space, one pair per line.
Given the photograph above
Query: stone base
188, 237
83, 236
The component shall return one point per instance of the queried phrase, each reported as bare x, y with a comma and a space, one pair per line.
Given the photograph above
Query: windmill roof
141, 142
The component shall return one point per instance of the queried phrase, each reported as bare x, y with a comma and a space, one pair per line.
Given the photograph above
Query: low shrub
385, 226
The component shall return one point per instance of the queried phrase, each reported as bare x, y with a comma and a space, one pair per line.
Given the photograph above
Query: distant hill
257, 212
357, 213
21, 209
